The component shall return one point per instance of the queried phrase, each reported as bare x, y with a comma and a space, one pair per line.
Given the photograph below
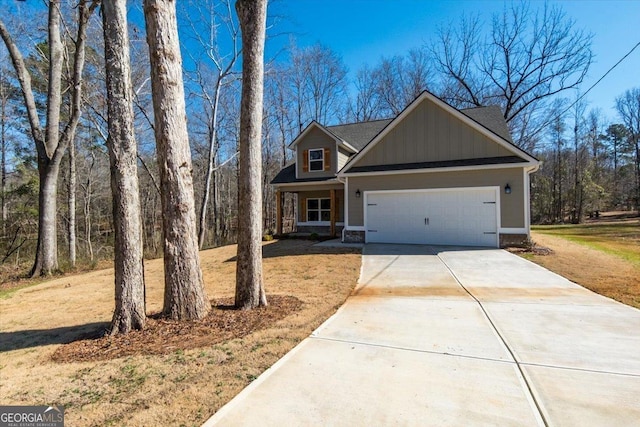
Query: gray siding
511, 205
429, 133
343, 158
316, 138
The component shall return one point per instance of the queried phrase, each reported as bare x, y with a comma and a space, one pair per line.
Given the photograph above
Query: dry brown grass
183, 387
604, 273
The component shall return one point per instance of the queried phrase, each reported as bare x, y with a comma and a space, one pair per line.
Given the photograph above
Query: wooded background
531, 63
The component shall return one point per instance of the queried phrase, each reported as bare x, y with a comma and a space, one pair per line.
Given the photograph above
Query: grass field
621, 239
185, 382
601, 255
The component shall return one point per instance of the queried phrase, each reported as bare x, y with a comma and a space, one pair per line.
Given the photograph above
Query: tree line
530, 60
184, 294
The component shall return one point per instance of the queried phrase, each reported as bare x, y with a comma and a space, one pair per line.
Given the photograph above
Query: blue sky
362, 31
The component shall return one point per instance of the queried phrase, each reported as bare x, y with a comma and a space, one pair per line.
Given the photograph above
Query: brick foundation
517, 240
352, 236
320, 230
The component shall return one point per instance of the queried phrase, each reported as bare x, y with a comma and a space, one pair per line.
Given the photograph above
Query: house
432, 175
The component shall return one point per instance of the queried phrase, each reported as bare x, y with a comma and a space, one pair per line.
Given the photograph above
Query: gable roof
484, 113
308, 129
359, 134
491, 118
315, 125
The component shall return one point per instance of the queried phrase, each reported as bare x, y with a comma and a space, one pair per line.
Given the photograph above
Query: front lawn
175, 374
602, 255
621, 239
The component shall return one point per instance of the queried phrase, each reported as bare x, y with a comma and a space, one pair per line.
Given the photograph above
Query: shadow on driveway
397, 249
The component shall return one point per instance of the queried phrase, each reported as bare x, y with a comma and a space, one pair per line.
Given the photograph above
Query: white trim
443, 169
516, 230
355, 228
315, 160
346, 202
527, 201
527, 198
310, 183
348, 146
496, 189
434, 190
456, 113
318, 223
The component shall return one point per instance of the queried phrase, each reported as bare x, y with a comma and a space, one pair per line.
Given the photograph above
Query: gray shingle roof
439, 164
491, 118
359, 134
288, 176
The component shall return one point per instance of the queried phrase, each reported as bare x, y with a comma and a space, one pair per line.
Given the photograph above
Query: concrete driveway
455, 337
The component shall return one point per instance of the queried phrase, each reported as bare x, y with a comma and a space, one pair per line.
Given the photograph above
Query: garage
455, 216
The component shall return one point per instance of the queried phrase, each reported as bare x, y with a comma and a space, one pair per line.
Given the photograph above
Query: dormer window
316, 160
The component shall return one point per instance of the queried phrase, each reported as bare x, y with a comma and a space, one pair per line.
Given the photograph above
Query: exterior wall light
507, 189
358, 193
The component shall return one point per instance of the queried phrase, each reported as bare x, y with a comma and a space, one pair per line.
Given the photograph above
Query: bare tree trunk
49, 160
3, 149
210, 165
224, 64
129, 270
87, 226
51, 144
216, 210
88, 194
576, 211
47, 249
71, 201
249, 289
636, 138
184, 295
628, 106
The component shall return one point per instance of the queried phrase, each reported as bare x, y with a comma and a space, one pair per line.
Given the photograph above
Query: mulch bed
164, 336
534, 250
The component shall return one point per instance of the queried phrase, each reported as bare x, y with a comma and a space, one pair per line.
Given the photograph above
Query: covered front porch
317, 209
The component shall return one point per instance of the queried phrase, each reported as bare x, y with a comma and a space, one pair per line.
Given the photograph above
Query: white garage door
464, 217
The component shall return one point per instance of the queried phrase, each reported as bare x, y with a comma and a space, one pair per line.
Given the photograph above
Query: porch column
278, 212
332, 198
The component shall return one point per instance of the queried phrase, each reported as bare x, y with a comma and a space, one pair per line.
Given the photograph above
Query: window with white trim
316, 159
318, 210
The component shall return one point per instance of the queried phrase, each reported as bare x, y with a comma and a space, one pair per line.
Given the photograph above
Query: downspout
346, 202
529, 171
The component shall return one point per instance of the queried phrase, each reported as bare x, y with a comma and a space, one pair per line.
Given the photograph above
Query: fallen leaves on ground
164, 336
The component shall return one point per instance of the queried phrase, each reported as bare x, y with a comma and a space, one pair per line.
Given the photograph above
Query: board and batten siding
431, 134
512, 205
316, 138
